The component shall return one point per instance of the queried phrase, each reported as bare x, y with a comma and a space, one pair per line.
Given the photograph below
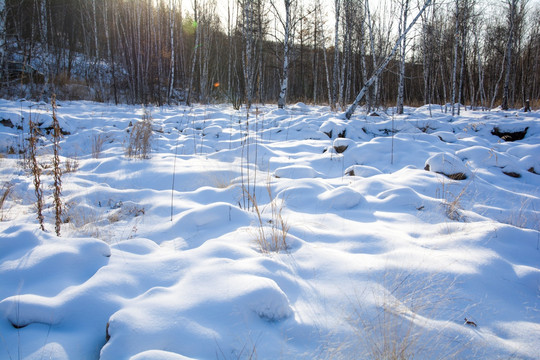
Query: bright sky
383, 7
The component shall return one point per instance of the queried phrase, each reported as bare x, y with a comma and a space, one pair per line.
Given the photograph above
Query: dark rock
456, 176
512, 174
510, 136
7, 122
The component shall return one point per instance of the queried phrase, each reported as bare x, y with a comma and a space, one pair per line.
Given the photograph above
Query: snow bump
448, 165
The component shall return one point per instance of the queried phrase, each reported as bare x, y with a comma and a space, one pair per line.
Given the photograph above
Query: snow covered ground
171, 257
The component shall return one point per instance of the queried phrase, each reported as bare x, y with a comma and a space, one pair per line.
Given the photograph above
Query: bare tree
403, 48
172, 29
512, 22
457, 16
335, 72
381, 68
372, 100
287, 24
194, 53
2, 32
248, 61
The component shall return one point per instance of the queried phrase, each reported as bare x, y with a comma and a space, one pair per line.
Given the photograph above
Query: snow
386, 248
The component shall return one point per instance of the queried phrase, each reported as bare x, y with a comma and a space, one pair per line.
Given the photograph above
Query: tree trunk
194, 54
2, 32
97, 54
379, 71
462, 67
335, 79
172, 24
454, 66
247, 59
372, 100
285, 79
401, 84
509, 46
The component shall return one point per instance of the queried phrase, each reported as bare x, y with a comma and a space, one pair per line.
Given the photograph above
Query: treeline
473, 52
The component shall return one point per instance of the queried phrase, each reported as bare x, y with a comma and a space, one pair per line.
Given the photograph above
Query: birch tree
317, 44
248, 61
335, 72
172, 25
457, 16
403, 51
512, 15
194, 53
372, 100
287, 24
96, 45
2, 32
362, 93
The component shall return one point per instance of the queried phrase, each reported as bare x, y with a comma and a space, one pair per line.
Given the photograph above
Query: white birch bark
480, 71
96, 44
401, 84
2, 32
286, 37
195, 51
454, 65
381, 68
375, 91
172, 24
247, 59
462, 66
362, 48
509, 47
315, 61
335, 79
260, 65
109, 50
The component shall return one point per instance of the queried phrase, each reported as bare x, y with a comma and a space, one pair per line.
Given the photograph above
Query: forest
481, 54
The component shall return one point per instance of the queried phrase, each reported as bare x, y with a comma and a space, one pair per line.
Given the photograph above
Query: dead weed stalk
272, 230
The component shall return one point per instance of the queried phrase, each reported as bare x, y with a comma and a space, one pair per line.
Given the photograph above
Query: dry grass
140, 138
84, 220
71, 165
397, 325
452, 201
5, 192
97, 145
272, 229
526, 217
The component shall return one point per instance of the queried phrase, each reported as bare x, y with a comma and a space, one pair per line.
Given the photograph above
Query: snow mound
362, 171
394, 199
480, 156
449, 165
296, 172
214, 130
300, 106
530, 163
204, 307
334, 128
267, 300
446, 136
343, 197
342, 144
45, 121
159, 355
46, 262
211, 215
